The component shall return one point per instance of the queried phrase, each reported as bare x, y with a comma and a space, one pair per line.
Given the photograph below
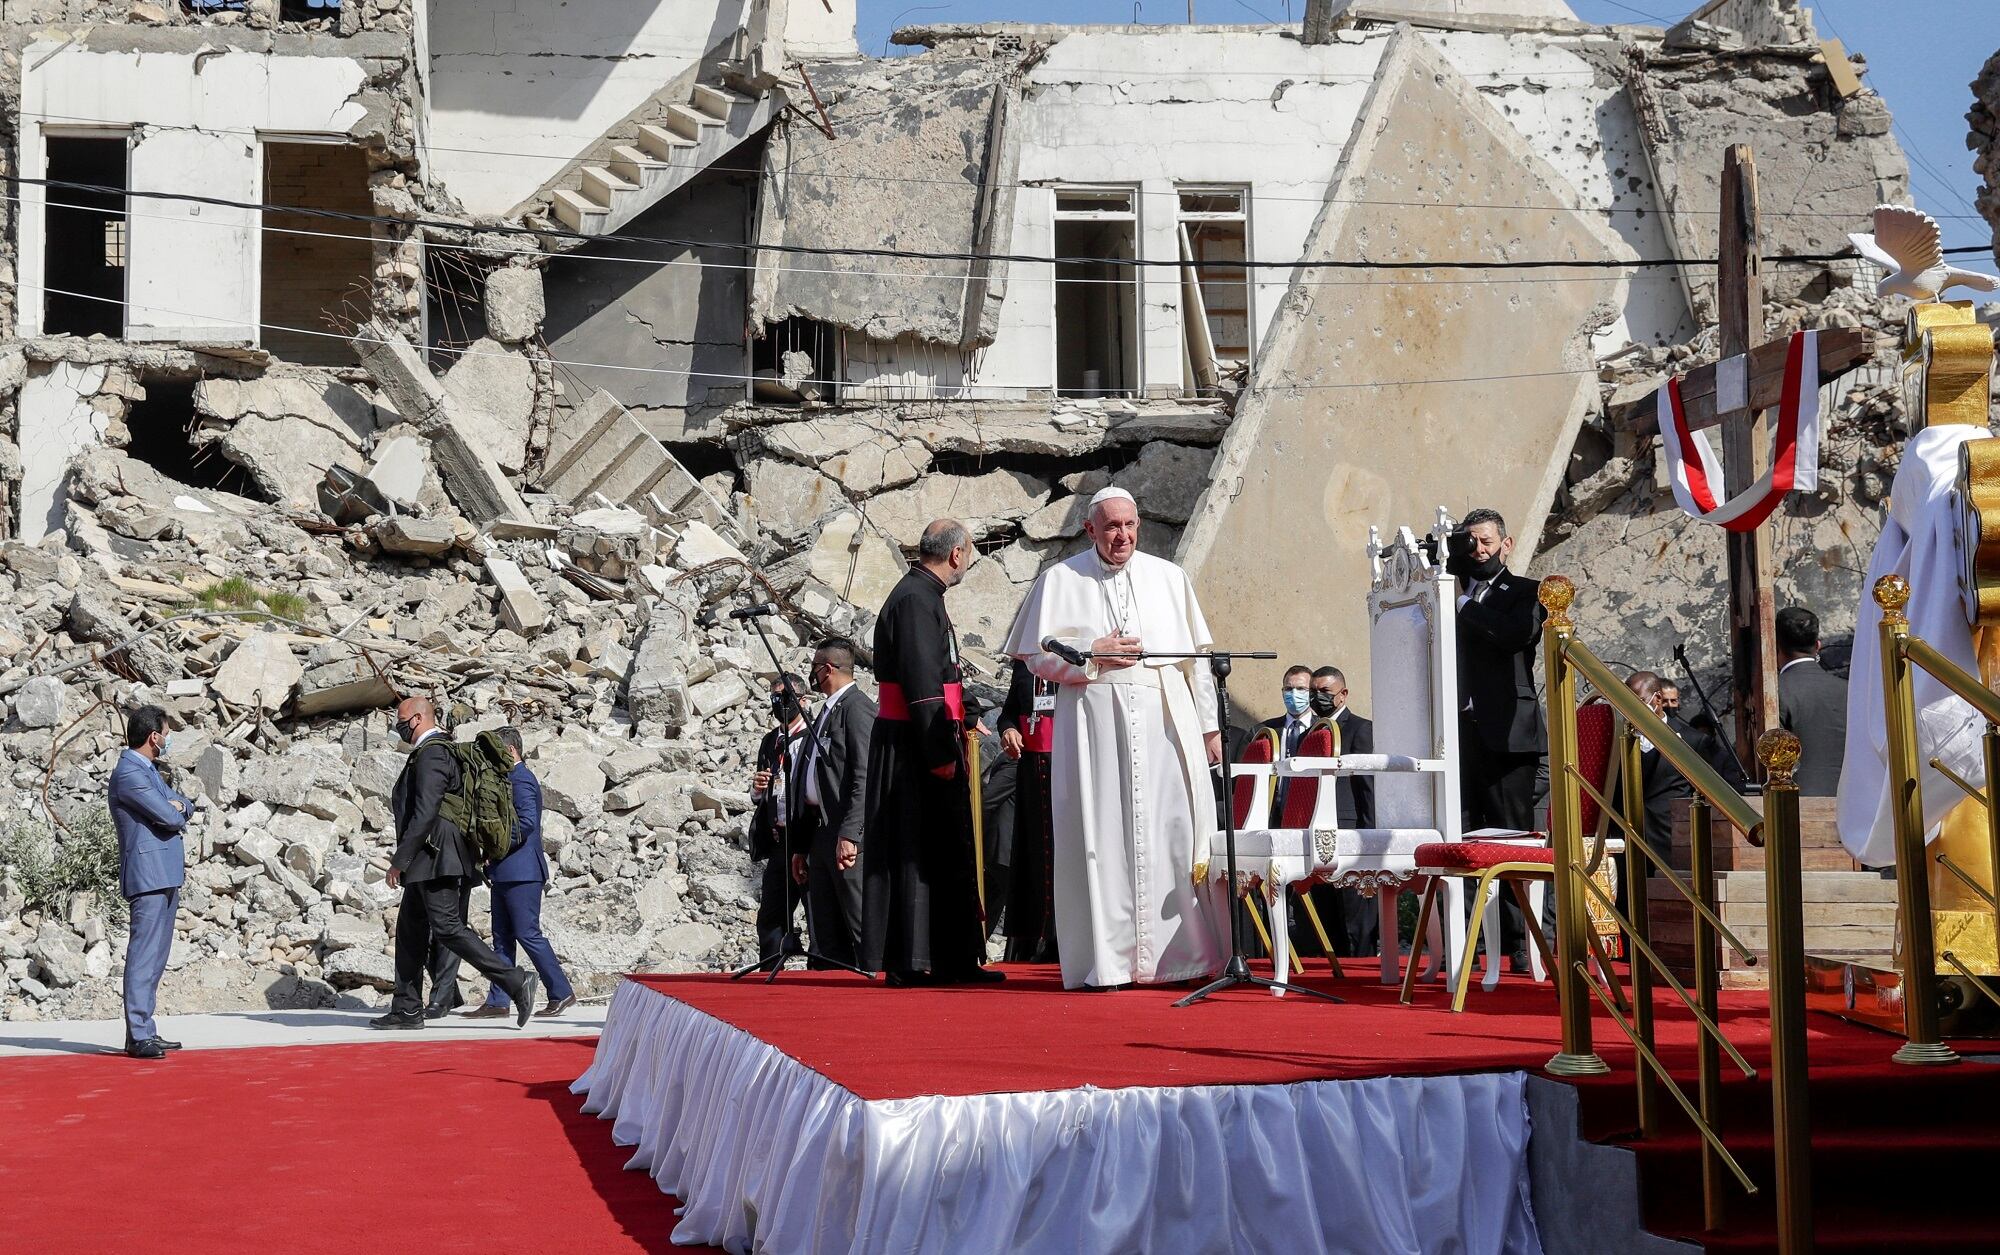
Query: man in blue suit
152, 864
516, 883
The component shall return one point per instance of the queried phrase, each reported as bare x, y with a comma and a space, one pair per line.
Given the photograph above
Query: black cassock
1031, 911
920, 897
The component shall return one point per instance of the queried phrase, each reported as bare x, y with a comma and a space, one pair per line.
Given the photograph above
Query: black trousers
444, 964
433, 911
1497, 790
775, 928
833, 910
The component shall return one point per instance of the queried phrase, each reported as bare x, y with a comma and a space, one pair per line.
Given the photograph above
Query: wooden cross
1739, 297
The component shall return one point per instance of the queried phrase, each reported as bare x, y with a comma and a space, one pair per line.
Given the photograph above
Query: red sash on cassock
891, 704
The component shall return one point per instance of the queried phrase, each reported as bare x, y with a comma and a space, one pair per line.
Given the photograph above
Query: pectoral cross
1733, 395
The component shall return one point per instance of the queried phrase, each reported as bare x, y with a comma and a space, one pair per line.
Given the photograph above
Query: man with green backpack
454, 812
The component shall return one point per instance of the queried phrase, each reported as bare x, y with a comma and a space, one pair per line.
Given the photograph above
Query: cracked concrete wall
1983, 139
550, 79
620, 304
905, 168
1814, 150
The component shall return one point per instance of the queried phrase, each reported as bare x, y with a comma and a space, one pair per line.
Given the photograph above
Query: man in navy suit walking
152, 864
516, 883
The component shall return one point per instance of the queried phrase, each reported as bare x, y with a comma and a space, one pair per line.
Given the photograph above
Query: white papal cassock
1132, 805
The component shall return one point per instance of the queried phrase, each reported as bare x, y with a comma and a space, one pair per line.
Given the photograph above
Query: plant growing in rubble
51, 866
237, 593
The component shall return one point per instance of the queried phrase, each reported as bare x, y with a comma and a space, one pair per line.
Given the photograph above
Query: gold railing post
1913, 891
1992, 746
1707, 992
1631, 772
1577, 1057
1785, 947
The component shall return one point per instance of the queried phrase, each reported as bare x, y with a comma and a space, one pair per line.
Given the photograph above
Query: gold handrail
1950, 674
1776, 829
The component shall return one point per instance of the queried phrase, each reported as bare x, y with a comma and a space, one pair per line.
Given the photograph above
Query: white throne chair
1413, 673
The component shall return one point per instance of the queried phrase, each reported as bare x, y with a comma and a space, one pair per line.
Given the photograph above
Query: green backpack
482, 807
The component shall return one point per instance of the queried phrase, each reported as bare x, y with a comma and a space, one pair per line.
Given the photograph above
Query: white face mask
166, 744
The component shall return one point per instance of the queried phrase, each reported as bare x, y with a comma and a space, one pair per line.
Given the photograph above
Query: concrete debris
495, 390
521, 608
414, 537
514, 303
475, 481
260, 672
984, 503
600, 450
41, 703
399, 471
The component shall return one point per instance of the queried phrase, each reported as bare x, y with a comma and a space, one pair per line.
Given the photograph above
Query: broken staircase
651, 159
599, 448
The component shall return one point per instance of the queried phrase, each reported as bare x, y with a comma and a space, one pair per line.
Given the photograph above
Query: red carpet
460, 1146
1902, 1156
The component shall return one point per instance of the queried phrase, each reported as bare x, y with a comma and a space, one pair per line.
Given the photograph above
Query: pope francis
1133, 809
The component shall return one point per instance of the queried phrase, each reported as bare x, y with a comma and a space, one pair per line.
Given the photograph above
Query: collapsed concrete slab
474, 479
1475, 402
939, 120
521, 607
599, 448
261, 671
495, 388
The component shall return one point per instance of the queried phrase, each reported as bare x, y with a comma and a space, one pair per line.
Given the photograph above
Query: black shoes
151, 1048
524, 1001
164, 1044
437, 1011
556, 1007
395, 1021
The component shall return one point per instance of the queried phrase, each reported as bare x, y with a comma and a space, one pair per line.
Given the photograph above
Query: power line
794, 171
809, 250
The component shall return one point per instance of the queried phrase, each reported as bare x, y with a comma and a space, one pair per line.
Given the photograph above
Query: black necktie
1294, 733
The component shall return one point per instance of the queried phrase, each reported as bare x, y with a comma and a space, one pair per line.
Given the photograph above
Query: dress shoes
524, 1002
487, 1011
164, 1044
907, 980
396, 1020
148, 1049
556, 1007
1517, 962
437, 1011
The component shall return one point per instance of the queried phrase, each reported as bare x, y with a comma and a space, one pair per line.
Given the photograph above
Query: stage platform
827, 1114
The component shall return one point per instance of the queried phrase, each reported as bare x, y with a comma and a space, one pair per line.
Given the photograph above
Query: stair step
602, 186
577, 211
668, 146
634, 165
716, 101
688, 123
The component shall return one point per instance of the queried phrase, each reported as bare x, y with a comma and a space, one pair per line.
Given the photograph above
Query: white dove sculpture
1909, 248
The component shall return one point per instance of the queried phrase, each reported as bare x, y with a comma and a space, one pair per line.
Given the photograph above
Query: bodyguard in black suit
1812, 703
1660, 781
770, 819
1501, 734
830, 785
434, 866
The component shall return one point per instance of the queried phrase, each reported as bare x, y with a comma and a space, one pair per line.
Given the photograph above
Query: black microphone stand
1237, 971
776, 962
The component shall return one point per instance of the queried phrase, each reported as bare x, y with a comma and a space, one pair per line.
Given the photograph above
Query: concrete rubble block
697, 545
982, 606
521, 607
495, 390
1306, 467
863, 457
854, 560
1024, 559
344, 932
218, 772
983, 503
657, 690
1059, 519
399, 470
599, 448
477, 485
656, 902
92, 617
720, 693
572, 785
789, 497
358, 967
413, 537
56, 952
636, 792
338, 679
261, 671
1166, 481
255, 849
42, 702
285, 779
515, 305
285, 432
627, 764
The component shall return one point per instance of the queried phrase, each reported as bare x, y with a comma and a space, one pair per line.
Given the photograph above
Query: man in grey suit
1812, 703
152, 864
826, 802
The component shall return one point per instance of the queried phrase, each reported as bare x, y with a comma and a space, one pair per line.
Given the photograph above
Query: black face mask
783, 708
405, 730
1322, 704
1488, 569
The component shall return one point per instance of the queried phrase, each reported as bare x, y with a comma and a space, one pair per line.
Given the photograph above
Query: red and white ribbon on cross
1698, 480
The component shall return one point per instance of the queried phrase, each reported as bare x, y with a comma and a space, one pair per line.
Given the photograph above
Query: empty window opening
1097, 293
796, 362
83, 239
316, 270
1215, 283
454, 301
163, 428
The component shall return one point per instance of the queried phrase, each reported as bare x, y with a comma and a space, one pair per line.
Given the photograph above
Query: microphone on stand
751, 612
1074, 657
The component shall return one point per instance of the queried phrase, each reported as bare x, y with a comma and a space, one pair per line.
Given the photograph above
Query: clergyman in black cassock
920, 918
1029, 713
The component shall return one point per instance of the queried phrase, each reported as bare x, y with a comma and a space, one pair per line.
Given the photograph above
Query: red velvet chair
1519, 863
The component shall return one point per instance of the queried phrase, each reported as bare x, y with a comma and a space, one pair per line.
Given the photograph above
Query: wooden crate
1849, 913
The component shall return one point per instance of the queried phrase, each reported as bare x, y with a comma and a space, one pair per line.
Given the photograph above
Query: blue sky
1922, 55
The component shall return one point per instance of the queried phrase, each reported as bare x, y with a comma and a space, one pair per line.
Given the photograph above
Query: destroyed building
363, 346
